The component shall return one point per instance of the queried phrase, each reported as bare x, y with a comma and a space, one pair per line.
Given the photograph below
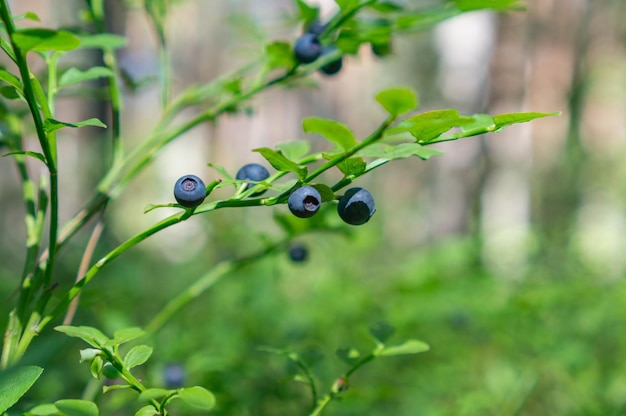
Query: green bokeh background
506, 255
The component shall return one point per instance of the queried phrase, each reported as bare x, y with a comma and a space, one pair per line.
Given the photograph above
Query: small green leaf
222, 172
279, 55
398, 100
10, 79
90, 335
124, 335
36, 155
43, 410
74, 76
154, 393
137, 356
281, 163
307, 13
11, 93
346, 4
29, 16
295, 149
198, 397
102, 41
95, 368
386, 7
382, 331
503, 120
107, 388
411, 346
14, 383
500, 5
348, 355
51, 124
426, 153
45, 40
147, 411
334, 131
353, 166
326, 193
77, 407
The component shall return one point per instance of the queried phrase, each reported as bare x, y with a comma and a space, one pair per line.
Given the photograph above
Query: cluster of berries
355, 207
308, 48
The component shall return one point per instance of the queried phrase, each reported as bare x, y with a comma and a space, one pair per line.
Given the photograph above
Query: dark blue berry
189, 191
174, 375
304, 202
298, 253
315, 27
252, 172
307, 48
333, 67
356, 206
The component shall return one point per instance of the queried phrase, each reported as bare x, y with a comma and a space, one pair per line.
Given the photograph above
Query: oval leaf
137, 356
51, 124
411, 346
150, 394
45, 40
127, 334
14, 383
397, 100
197, 397
504, 120
332, 130
103, 41
74, 76
280, 162
77, 407
90, 335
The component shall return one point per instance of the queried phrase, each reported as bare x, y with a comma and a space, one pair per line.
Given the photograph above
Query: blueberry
315, 27
333, 67
252, 172
174, 375
304, 202
189, 191
356, 206
298, 253
307, 48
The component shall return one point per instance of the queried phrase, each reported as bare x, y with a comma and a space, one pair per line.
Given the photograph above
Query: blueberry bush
294, 173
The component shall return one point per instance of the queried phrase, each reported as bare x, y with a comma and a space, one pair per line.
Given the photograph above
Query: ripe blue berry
333, 67
307, 48
304, 202
298, 253
356, 206
315, 27
189, 191
252, 172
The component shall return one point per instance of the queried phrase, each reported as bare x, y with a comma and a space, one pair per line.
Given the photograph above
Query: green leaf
397, 100
382, 331
353, 166
14, 383
29, 16
198, 397
102, 41
332, 130
500, 5
503, 120
307, 13
51, 124
95, 368
428, 126
74, 76
45, 40
124, 335
281, 163
90, 335
36, 155
154, 393
147, 411
222, 172
411, 346
137, 356
10, 79
326, 193
11, 93
348, 355
386, 7
279, 55
295, 149
346, 4
43, 410
107, 388
426, 153
77, 407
